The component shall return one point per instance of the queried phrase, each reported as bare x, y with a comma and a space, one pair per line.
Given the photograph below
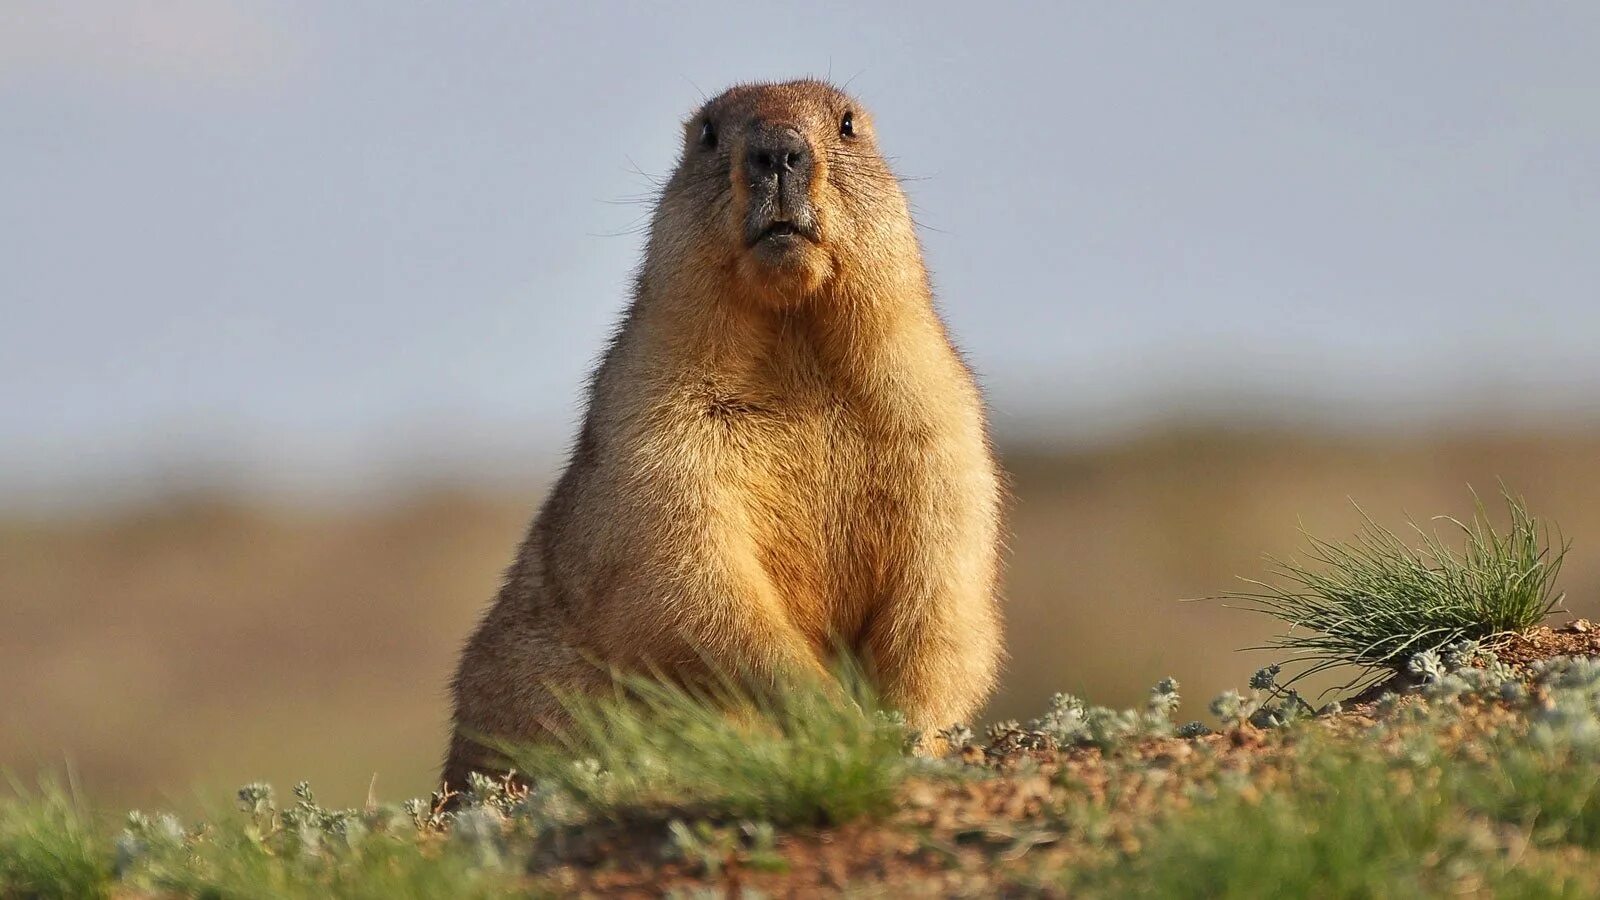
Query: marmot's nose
776, 150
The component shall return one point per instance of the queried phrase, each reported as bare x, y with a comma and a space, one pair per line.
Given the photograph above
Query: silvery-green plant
958, 736
479, 831
143, 836
1233, 709
1069, 722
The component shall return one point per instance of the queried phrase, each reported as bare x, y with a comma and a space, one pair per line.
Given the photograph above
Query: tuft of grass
1376, 601
1339, 828
1508, 814
1344, 821
49, 846
1545, 779
1554, 795
807, 755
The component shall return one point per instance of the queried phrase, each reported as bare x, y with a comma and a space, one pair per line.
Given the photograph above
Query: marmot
783, 455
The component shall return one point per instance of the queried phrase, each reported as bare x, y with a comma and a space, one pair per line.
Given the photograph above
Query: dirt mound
1576, 638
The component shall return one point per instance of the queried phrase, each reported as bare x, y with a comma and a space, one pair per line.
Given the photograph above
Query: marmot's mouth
782, 232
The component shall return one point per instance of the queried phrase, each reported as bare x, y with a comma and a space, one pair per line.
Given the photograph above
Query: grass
1345, 821
306, 851
1465, 787
1336, 828
1555, 796
807, 756
49, 845
232, 863
1374, 602
1443, 798
1546, 781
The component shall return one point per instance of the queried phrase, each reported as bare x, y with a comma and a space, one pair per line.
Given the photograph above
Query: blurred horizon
223, 466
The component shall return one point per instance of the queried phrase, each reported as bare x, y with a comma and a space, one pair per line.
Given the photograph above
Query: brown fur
779, 459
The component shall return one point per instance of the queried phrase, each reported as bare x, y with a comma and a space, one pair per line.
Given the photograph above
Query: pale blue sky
303, 242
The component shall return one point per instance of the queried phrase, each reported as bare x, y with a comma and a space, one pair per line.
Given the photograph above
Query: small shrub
1070, 722
1373, 603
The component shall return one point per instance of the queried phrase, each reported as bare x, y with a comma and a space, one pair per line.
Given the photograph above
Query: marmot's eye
708, 135
847, 125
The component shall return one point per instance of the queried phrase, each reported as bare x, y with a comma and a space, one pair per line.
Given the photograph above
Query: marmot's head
782, 186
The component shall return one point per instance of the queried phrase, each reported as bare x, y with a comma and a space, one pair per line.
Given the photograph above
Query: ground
1469, 766
1028, 818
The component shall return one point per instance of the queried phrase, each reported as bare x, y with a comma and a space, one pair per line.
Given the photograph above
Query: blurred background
297, 300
